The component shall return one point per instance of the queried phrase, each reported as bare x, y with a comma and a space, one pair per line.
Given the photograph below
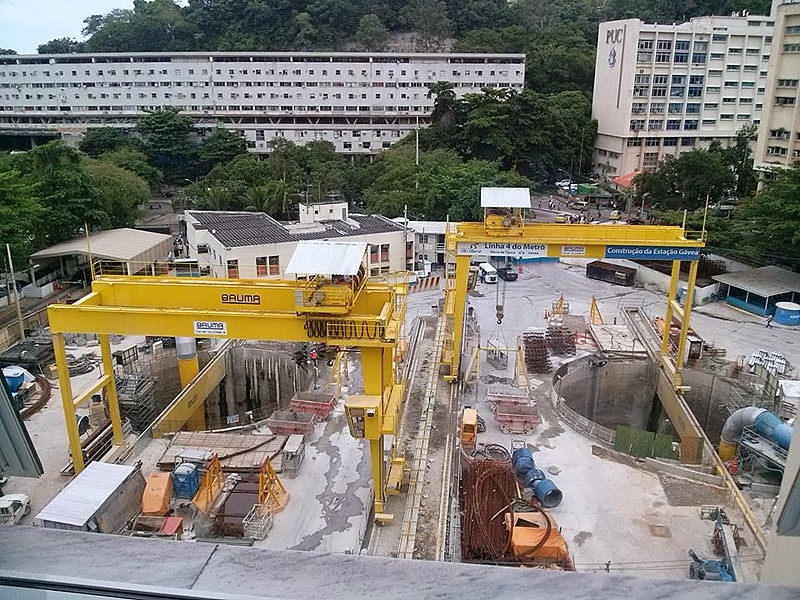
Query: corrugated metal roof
433, 227
326, 258
84, 495
115, 244
237, 229
764, 281
505, 197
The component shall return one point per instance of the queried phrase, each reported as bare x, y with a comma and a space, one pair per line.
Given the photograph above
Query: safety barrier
425, 283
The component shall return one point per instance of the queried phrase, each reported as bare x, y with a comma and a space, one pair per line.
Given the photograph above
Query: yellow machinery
469, 429
352, 312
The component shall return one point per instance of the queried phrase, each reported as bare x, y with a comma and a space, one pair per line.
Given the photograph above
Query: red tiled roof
625, 180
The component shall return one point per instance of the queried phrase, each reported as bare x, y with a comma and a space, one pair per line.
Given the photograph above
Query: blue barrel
520, 453
532, 476
522, 460
15, 376
787, 313
547, 493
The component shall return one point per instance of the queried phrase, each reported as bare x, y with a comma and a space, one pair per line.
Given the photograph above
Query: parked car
562, 218
563, 183
13, 507
615, 215
507, 273
579, 205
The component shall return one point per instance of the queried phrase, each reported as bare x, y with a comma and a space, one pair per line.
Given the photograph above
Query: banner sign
573, 250
210, 328
652, 252
503, 249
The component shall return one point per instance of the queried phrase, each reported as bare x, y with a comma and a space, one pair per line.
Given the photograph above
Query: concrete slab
261, 573
331, 495
616, 338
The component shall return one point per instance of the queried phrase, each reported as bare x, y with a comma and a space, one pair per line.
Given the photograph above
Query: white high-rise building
361, 102
664, 89
779, 134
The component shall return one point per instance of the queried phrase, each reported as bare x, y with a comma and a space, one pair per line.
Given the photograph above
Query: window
655, 124
678, 79
726, 117
637, 124
690, 124
384, 252
642, 79
675, 108
776, 150
729, 100
652, 142
693, 108
687, 141
748, 84
787, 83
709, 122
673, 125
677, 92
639, 107
791, 47
733, 67
779, 134
634, 142
641, 91
695, 92
699, 58
734, 50
784, 101
233, 269
731, 84
650, 159
670, 142
657, 108
718, 37
659, 91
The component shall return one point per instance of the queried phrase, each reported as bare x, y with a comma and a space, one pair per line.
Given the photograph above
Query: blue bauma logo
612, 57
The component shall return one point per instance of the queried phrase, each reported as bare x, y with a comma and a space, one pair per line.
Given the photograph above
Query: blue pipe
775, 430
546, 492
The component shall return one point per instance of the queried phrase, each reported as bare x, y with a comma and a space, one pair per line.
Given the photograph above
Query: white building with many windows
779, 134
361, 102
663, 89
252, 244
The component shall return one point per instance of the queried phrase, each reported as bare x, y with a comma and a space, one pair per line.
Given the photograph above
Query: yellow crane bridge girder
238, 309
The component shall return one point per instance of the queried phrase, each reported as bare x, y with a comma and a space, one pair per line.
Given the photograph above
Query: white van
488, 273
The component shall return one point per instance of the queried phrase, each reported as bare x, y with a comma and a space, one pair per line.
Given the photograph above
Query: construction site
568, 419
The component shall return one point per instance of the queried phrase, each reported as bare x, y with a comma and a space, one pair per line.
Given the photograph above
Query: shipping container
611, 273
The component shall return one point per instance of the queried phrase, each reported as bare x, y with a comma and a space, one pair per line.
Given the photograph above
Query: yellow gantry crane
505, 233
347, 311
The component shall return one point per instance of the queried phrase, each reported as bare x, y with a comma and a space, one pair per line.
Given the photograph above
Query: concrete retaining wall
610, 392
679, 471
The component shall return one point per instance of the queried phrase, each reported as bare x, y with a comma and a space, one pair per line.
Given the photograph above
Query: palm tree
218, 197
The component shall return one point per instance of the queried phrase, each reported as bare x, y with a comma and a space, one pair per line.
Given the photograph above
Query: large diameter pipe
775, 430
766, 424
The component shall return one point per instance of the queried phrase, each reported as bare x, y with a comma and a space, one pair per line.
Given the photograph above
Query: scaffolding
137, 399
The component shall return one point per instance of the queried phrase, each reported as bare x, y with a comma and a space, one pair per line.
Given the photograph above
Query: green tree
21, 214
770, 220
7, 51
166, 133
685, 182
559, 59
218, 197
223, 145
503, 39
135, 162
99, 140
119, 192
307, 33
740, 159
151, 25
371, 33
63, 45
429, 20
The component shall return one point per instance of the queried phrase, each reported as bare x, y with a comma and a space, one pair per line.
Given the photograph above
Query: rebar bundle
560, 340
536, 357
487, 488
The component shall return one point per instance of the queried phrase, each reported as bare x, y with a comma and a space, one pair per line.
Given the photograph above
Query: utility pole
405, 233
16, 294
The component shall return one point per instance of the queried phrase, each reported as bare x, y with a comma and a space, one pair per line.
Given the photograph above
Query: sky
24, 24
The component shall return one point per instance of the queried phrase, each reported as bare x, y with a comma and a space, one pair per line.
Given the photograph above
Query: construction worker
769, 321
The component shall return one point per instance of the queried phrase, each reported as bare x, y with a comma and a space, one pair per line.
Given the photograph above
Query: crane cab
503, 209
328, 275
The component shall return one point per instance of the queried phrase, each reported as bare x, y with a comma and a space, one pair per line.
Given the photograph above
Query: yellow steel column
376, 369
111, 388
67, 402
687, 309
458, 307
188, 369
673, 290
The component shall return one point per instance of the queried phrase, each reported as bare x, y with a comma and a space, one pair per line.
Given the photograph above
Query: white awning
123, 245
505, 197
327, 258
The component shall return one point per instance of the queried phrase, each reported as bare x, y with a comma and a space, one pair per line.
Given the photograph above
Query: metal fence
583, 425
